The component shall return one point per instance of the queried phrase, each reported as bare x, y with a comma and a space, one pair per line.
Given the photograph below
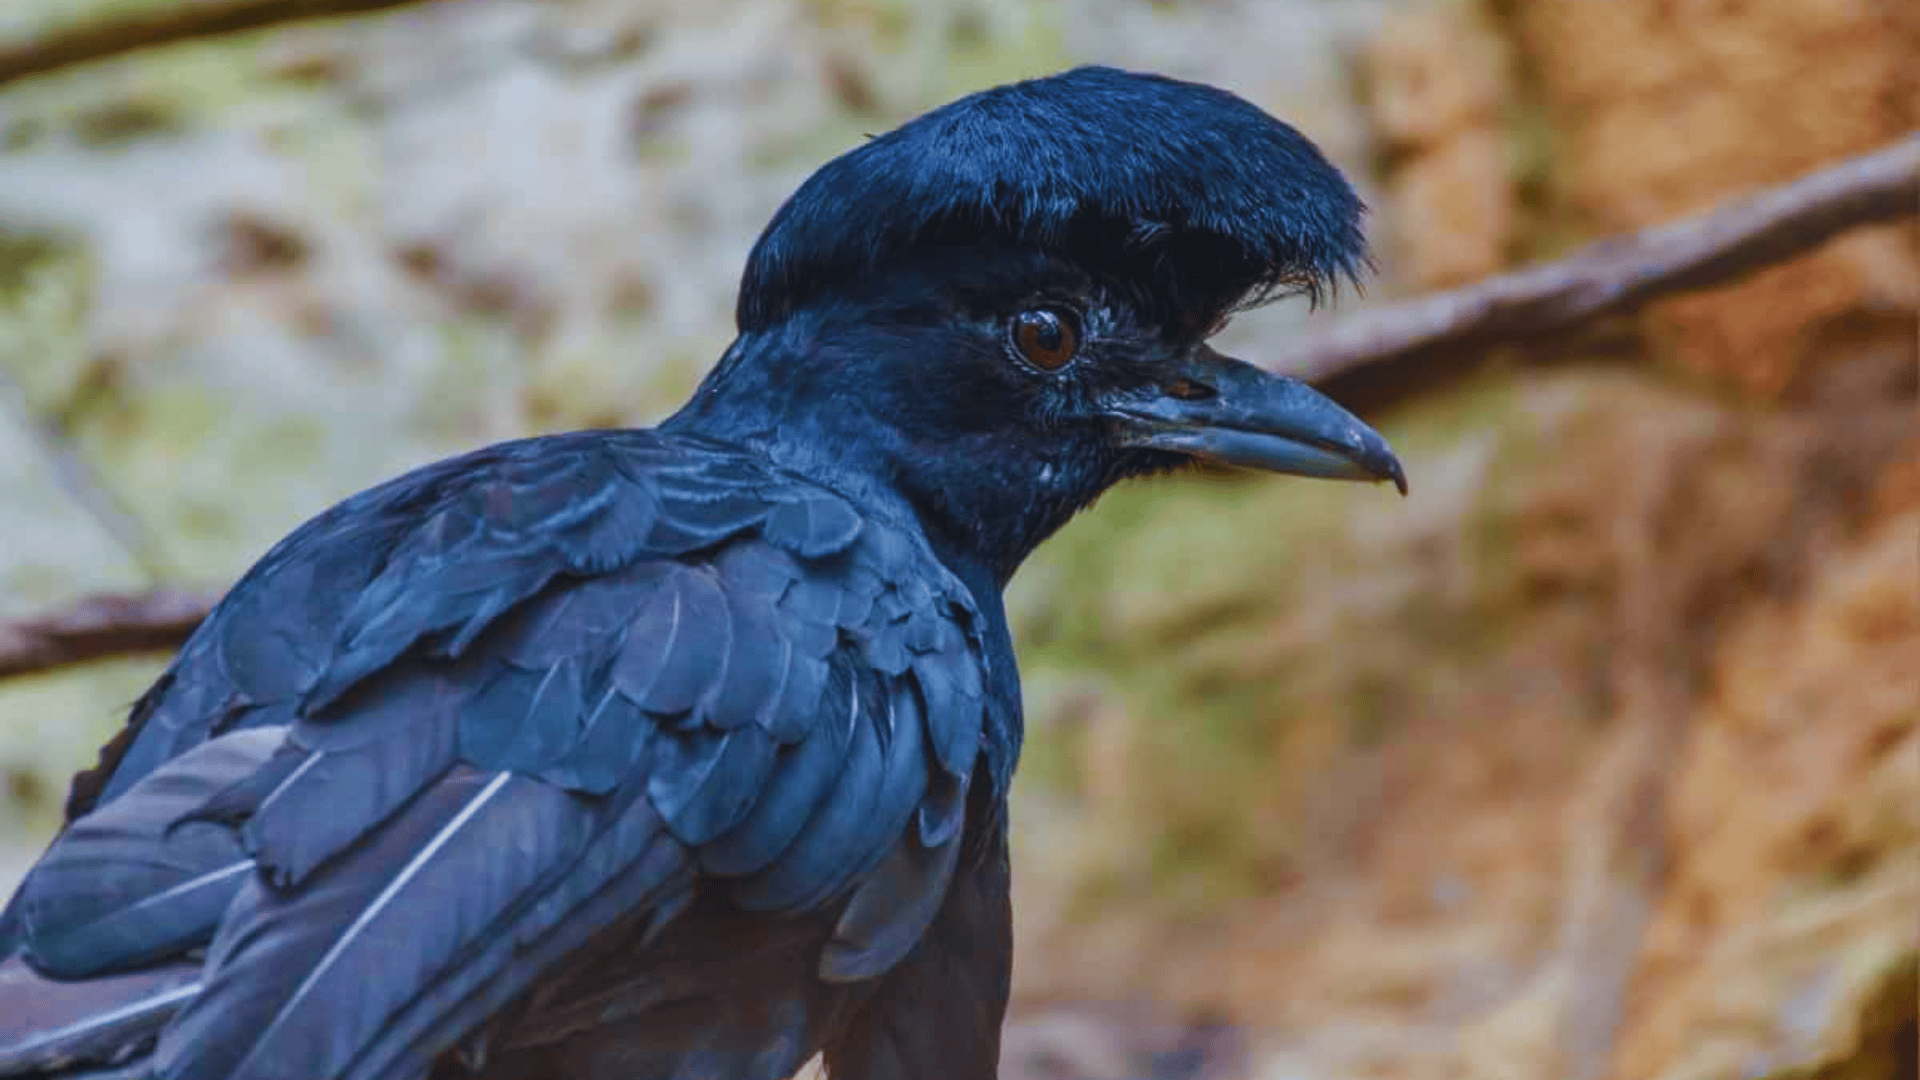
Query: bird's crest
1184, 189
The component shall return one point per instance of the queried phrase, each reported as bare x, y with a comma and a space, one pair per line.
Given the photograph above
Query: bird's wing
465, 537
580, 676
135, 880
252, 660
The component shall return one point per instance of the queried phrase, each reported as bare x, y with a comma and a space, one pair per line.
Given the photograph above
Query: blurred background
1594, 758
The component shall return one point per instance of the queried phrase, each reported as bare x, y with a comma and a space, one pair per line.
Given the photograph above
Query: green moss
22, 255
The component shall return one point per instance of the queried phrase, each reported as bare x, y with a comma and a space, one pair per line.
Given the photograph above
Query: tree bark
101, 626
163, 24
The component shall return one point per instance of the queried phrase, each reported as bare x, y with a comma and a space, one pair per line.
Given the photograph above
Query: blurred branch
1398, 345
98, 627
162, 24
1395, 351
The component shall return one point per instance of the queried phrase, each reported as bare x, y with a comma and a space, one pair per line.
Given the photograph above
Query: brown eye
1046, 338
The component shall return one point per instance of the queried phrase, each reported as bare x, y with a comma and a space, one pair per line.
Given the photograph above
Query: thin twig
1611, 277
1614, 276
163, 24
100, 626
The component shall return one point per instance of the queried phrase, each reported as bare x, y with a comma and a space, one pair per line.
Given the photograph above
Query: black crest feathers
1184, 189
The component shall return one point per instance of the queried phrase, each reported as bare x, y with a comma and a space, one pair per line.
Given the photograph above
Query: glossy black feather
886, 915
137, 880
1185, 188
88, 1028
631, 866
803, 773
299, 983
614, 735
534, 715
354, 775
962, 967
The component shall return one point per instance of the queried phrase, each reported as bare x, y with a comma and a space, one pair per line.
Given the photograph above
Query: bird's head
1000, 309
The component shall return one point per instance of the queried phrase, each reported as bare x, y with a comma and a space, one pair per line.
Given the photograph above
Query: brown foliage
1665, 107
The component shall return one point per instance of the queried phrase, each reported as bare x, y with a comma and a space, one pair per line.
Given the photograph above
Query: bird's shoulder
640, 636
636, 562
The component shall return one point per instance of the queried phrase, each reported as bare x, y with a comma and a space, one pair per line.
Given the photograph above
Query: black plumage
685, 751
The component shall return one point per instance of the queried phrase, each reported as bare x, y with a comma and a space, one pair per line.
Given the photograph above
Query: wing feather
543, 691
363, 937
705, 781
134, 881
803, 773
404, 732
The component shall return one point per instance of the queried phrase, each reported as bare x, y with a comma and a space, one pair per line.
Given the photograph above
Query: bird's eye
1046, 337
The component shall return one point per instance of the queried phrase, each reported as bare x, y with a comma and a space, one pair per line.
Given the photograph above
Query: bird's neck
979, 526
982, 505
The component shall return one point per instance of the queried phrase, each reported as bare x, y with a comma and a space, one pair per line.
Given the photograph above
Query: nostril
1189, 390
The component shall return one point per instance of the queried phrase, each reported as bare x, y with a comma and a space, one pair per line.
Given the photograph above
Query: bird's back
597, 689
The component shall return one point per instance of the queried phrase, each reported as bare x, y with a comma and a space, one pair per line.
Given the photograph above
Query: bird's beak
1221, 409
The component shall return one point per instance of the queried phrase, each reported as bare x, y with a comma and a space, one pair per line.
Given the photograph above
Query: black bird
684, 752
